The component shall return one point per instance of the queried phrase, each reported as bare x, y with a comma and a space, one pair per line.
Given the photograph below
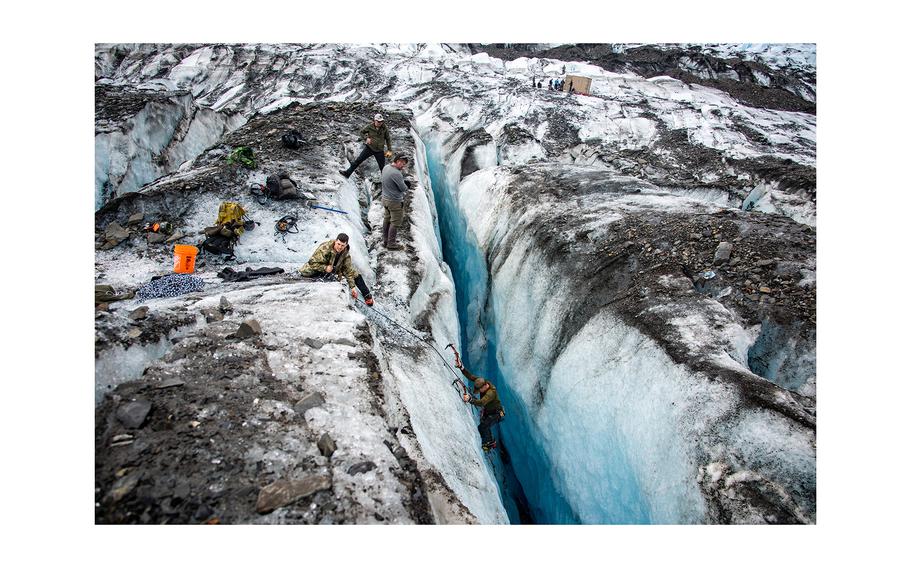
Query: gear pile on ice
230, 275
170, 286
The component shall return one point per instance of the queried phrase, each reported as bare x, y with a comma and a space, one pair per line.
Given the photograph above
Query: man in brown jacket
491, 412
376, 137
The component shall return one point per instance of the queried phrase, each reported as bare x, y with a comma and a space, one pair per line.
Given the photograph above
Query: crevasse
528, 491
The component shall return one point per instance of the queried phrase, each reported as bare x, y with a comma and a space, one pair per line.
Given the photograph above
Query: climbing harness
287, 225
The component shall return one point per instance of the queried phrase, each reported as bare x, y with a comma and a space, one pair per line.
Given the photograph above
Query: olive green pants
394, 212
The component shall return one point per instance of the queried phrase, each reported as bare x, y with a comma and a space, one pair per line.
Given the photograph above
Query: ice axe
457, 382
457, 356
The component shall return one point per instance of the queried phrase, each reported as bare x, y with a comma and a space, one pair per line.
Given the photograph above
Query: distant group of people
553, 84
559, 84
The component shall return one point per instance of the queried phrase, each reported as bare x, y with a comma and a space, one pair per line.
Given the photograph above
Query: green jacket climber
489, 398
378, 136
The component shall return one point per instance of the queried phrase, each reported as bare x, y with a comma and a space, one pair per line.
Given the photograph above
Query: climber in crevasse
332, 260
375, 137
491, 412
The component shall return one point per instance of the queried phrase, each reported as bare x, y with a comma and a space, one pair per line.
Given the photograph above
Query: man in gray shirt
393, 188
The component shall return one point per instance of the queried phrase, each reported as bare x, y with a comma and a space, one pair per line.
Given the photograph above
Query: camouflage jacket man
325, 255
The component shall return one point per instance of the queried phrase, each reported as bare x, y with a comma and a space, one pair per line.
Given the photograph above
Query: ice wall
156, 141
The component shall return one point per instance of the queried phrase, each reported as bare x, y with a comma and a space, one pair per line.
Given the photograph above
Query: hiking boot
368, 300
385, 233
391, 244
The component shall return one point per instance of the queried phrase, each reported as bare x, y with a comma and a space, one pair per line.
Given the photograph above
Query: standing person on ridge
375, 136
393, 190
491, 409
332, 259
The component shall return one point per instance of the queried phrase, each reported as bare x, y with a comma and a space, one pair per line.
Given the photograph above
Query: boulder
326, 445
308, 402
212, 315
139, 313
284, 492
175, 237
133, 414
123, 486
224, 305
248, 328
115, 233
314, 343
723, 252
156, 238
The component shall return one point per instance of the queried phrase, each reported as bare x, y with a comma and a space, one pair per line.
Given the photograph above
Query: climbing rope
463, 390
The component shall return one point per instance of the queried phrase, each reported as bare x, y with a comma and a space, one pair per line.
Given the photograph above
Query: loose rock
224, 305
170, 383
212, 315
308, 402
722, 254
285, 492
248, 328
326, 445
133, 414
123, 486
139, 313
361, 467
314, 343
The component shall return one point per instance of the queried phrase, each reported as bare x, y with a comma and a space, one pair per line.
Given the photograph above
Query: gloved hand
369, 300
354, 294
388, 153
466, 397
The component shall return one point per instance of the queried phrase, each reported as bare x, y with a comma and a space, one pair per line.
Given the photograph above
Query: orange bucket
185, 259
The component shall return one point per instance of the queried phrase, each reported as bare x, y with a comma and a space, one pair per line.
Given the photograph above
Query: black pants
366, 153
331, 277
487, 421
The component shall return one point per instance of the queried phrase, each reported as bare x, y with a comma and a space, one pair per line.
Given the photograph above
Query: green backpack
243, 156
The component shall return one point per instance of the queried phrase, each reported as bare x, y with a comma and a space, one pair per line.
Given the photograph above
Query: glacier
561, 242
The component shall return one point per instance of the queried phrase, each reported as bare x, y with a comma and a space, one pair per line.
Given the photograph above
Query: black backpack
276, 190
292, 139
219, 244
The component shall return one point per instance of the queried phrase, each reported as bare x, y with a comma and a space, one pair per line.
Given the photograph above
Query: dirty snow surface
634, 268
